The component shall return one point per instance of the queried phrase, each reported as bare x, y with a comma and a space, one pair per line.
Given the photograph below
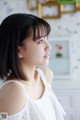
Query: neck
30, 73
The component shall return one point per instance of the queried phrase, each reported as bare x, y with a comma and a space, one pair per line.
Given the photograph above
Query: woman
26, 93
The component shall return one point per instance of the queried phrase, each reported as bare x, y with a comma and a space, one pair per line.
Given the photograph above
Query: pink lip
47, 56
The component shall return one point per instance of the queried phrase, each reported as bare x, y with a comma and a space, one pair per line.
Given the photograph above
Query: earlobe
19, 55
19, 52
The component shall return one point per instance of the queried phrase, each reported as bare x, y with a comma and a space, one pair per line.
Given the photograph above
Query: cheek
35, 53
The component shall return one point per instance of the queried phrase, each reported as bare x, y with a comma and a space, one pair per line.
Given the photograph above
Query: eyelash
42, 40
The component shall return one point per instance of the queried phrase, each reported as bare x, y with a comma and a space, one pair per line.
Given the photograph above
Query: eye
40, 41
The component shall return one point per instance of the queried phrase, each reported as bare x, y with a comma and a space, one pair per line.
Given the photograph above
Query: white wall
67, 25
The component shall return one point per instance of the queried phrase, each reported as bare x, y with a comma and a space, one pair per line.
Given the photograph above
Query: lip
47, 55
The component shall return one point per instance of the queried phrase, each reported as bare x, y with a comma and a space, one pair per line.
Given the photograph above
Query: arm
12, 98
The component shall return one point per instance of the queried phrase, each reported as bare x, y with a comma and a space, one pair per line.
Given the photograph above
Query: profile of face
35, 53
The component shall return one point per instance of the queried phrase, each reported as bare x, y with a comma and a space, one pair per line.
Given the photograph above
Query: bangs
41, 30
37, 28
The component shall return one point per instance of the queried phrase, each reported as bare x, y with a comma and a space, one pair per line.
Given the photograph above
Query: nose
48, 46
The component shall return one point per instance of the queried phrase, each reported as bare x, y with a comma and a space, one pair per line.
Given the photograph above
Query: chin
45, 63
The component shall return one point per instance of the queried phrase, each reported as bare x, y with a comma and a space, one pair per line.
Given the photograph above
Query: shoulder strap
42, 75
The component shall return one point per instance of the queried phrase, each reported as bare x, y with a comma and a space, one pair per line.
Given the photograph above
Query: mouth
47, 56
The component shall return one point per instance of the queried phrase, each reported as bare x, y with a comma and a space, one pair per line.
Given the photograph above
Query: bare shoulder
48, 73
12, 98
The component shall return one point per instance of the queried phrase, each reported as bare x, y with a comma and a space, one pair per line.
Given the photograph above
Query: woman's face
35, 53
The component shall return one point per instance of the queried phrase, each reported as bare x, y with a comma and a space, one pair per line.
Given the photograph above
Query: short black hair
13, 30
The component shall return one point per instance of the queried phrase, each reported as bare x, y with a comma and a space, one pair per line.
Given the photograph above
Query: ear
20, 52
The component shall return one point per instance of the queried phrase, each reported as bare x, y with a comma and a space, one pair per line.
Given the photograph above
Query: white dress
45, 108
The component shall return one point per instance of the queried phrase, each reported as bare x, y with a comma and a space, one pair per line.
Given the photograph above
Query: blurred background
64, 18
